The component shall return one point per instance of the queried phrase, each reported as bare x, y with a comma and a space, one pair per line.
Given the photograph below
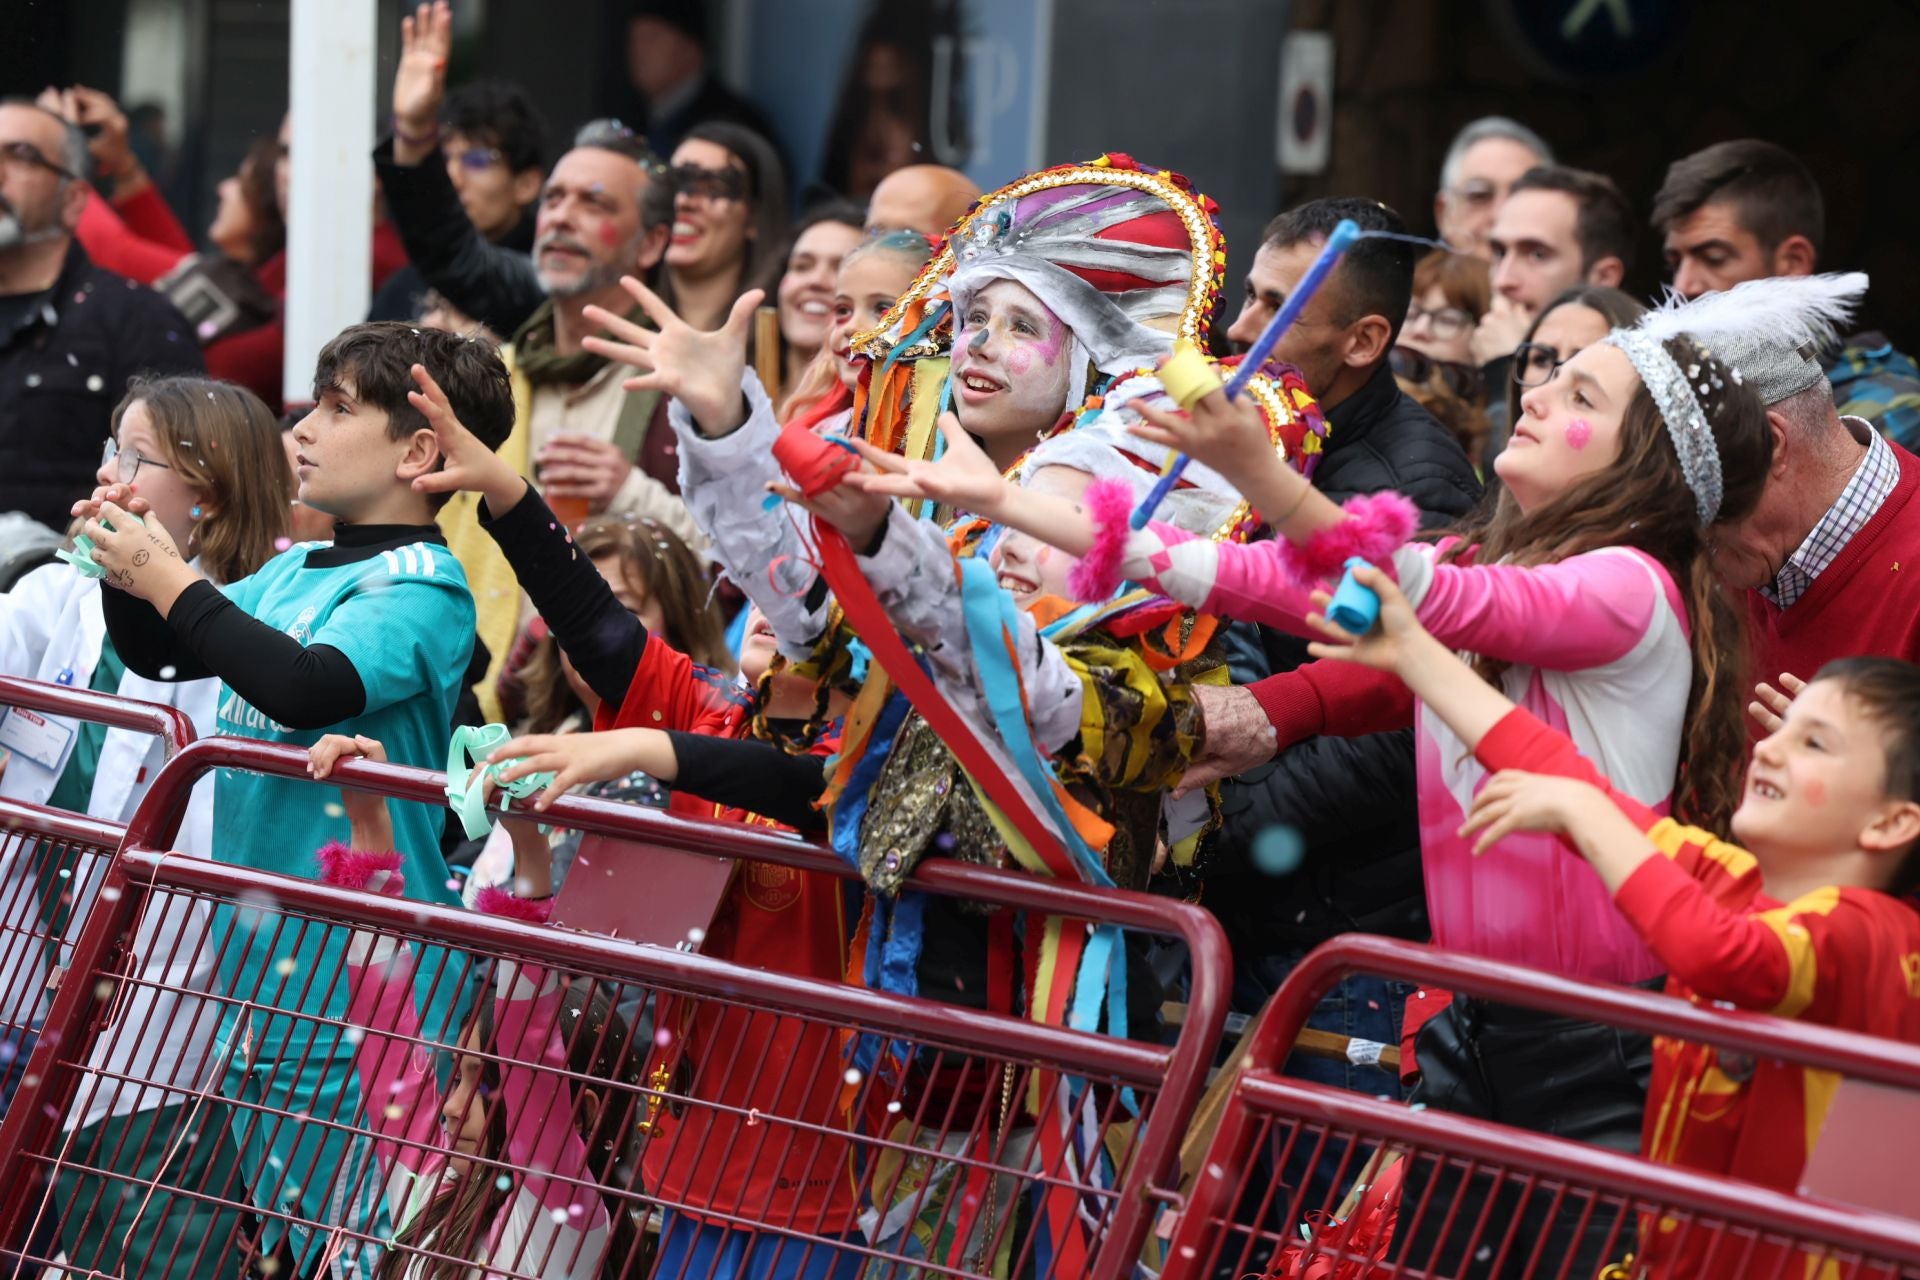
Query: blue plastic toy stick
1354, 608
1342, 238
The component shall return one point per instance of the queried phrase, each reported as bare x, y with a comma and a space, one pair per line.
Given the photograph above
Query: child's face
173, 500
1028, 567
1010, 366
345, 462
758, 648
867, 287
1569, 426
463, 1115
1817, 786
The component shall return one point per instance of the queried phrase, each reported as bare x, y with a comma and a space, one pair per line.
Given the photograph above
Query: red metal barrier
51, 859
1234, 1223
942, 1142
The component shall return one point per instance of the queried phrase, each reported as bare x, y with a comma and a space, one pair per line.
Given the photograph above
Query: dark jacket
1351, 799
405, 293
493, 283
712, 102
63, 367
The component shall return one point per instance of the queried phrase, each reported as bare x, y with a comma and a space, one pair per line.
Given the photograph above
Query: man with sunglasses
71, 334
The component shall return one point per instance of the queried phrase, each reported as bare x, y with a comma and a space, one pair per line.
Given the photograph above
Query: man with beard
71, 334
606, 211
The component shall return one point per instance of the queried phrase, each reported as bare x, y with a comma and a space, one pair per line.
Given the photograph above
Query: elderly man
1484, 160
1827, 553
928, 198
71, 334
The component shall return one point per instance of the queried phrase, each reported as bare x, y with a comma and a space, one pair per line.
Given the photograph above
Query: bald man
928, 198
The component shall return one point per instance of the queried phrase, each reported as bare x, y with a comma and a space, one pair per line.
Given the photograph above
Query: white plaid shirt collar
1872, 481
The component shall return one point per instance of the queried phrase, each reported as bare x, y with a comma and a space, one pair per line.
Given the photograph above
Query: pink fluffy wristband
1377, 525
495, 901
353, 868
1098, 573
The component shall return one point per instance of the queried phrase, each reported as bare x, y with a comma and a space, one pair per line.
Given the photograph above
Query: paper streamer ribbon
468, 776
80, 554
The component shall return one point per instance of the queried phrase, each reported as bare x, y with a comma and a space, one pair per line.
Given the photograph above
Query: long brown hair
661, 567
457, 1220
224, 442
1642, 501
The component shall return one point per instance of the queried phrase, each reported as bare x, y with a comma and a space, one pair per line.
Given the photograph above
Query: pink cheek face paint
1579, 434
609, 235
1020, 359
1816, 793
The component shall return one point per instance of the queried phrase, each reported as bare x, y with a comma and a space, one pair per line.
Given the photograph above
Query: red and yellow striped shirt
1839, 957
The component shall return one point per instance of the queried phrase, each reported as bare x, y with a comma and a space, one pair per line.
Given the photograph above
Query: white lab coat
51, 628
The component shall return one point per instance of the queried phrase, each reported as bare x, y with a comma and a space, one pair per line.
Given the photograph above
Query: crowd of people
852, 485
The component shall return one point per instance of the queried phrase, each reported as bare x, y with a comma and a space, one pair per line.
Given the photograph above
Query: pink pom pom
354, 868
494, 901
1377, 525
1098, 572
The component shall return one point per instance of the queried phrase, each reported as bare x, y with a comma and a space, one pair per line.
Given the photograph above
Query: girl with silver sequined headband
1585, 591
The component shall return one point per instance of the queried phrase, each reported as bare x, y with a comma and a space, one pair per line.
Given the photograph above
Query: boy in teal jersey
369, 634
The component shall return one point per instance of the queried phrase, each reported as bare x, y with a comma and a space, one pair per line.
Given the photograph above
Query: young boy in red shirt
1808, 920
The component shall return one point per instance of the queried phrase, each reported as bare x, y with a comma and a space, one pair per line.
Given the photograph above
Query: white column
330, 193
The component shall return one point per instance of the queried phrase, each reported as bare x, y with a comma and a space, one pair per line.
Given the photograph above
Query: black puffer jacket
1351, 799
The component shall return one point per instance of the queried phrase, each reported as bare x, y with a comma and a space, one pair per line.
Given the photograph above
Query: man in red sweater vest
1826, 556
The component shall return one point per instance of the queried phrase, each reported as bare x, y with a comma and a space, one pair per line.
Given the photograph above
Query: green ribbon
80, 555
468, 776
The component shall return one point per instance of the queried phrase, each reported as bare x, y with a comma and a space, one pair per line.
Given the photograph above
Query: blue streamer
1103, 964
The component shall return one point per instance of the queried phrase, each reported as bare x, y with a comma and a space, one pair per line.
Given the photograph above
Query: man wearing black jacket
1325, 838
71, 333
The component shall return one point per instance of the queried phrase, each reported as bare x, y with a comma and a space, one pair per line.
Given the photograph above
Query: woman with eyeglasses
729, 221
1432, 359
1566, 326
206, 456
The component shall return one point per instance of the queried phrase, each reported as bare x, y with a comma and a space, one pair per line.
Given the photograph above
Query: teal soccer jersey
401, 613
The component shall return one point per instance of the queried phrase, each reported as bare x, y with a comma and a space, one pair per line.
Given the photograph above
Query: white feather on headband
1780, 311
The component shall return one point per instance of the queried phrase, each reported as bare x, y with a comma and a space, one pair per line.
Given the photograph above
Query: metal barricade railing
972, 1143
51, 860
1545, 1206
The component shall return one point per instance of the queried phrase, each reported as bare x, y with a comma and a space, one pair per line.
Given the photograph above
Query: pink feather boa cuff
1098, 573
494, 901
353, 868
1377, 525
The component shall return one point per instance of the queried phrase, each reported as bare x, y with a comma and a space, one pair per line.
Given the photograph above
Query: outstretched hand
702, 370
1228, 435
963, 477
467, 464
1513, 800
1385, 647
420, 79
577, 758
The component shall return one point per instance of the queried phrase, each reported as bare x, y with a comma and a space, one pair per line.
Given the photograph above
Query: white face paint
1011, 368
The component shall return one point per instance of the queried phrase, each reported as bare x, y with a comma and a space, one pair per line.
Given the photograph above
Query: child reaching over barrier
688, 726
370, 632
1588, 593
506, 1168
1810, 919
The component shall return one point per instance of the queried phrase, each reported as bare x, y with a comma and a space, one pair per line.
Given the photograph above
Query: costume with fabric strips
1087, 710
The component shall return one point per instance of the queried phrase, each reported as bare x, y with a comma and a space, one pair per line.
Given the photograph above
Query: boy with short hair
1807, 921
369, 634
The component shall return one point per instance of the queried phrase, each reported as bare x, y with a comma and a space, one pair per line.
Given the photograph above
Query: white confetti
168, 673
286, 967
95, 382
853, 1075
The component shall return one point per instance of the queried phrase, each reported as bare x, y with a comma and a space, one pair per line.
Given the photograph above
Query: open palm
420, 80
963, 477
467, 463
700, 369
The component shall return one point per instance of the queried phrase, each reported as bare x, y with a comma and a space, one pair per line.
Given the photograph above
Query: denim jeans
1362, 1007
